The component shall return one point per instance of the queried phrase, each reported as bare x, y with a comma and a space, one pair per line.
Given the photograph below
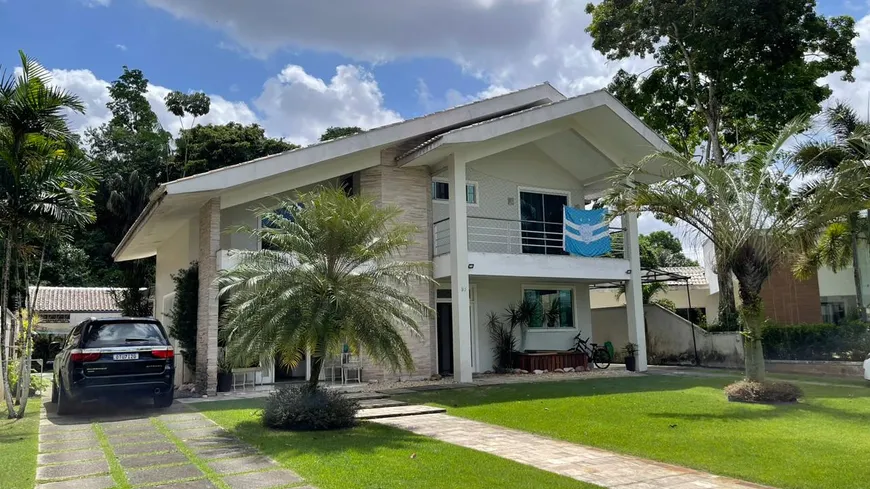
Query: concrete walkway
112, 446
592, 465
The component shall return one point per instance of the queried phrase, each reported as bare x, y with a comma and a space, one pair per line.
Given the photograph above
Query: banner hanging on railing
586, 233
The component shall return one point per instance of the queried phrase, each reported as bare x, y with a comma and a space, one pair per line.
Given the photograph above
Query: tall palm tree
329, 274
838, 246
44, 179
749, 211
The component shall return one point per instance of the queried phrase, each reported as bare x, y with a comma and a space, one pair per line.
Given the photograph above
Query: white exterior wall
495, 295
499, 177
700, 296
175, 254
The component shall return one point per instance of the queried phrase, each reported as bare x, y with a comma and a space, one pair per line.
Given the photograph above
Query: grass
115, 469
819, 443
377, 456
18, 445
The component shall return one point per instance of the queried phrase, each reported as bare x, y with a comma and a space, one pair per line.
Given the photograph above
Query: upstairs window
441, 191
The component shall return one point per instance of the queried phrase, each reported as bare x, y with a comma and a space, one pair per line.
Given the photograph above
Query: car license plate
126, 356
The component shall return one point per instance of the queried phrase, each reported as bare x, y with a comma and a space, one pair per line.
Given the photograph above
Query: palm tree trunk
853, 235
24, 382
4, 300
316, 367
753, 353
728, 317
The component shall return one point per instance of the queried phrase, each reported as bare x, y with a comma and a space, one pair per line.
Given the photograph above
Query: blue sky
299, 66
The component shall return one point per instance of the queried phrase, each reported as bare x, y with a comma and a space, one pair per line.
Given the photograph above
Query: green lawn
377, 456
822, 442
18, 444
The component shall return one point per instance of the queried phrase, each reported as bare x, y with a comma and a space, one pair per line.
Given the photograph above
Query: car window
73, 338
103, 335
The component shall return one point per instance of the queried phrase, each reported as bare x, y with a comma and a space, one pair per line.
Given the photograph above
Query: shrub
184, 310
504, 343
850, 341
306, 408
764, 392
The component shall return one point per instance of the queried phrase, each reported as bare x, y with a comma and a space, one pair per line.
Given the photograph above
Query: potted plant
225, 376
630, 360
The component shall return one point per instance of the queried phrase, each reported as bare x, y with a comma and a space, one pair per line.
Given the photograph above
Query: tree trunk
854, 221
24, 382
753, 316
316, 367
729, 319
4, 300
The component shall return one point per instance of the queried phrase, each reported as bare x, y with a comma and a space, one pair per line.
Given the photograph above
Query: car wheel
53, 392
64, 404
164, 400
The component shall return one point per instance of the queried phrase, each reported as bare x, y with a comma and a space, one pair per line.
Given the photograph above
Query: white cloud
856, 94
301, 107
122, 47
293, 104
96, 3
508, 43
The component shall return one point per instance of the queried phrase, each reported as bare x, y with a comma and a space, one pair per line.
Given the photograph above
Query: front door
444, 312
542, 222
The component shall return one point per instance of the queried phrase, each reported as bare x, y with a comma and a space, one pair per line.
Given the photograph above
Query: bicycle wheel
601, 358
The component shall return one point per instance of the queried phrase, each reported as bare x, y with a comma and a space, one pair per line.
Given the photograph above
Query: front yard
376, 456
18, 440
821, 442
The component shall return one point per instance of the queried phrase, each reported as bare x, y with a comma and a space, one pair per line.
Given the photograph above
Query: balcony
512, 247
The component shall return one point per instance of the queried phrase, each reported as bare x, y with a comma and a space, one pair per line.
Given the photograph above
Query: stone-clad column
207, 311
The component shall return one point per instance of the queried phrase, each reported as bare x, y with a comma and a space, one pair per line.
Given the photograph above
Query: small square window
440, 190
471, 194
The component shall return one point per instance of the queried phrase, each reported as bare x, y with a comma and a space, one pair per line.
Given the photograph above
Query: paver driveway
110, 446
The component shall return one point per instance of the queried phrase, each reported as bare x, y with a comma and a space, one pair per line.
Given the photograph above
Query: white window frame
537, 190
573, 290
473, 183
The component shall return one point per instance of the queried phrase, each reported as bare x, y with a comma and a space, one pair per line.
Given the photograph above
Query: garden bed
551, 360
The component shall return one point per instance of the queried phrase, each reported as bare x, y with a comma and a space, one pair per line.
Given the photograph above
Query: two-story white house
484, 182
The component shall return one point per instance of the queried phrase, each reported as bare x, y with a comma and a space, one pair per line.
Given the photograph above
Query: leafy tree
727, 72
132, 151
838, 246
750, 213
195, 104
328, 276
661, 249
212, 146
45, 182
339, 132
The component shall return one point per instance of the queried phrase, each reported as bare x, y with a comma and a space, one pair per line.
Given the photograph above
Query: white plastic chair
350, 362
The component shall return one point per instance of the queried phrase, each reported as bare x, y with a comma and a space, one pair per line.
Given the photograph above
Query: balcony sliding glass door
541, 216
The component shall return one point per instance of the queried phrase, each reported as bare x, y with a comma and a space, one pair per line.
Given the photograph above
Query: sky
297, 67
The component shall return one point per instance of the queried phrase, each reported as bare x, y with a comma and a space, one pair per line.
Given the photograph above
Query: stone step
363, 396
379, 403
397, 411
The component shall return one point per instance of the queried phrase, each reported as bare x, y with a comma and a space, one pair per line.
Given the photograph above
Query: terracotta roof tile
75, 299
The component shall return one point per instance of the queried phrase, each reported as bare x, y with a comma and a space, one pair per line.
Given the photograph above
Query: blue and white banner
586, 233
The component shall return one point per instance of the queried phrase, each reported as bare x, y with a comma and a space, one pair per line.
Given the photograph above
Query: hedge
849, 341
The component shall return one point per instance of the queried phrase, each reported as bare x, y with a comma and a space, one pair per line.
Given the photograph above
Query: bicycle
598, 354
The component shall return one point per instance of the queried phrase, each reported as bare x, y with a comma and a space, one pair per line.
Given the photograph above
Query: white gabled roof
74, 299
174, 200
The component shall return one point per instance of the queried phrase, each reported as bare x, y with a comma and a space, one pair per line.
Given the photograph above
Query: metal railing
513, 236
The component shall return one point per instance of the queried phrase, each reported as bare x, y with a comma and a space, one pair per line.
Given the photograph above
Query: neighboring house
697, 295
484, 182
61, 308
826, 297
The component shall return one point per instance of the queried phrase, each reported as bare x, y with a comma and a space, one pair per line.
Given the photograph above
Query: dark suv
114, 357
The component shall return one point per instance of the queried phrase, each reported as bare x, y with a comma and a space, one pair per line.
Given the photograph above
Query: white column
459, 270
633, 290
